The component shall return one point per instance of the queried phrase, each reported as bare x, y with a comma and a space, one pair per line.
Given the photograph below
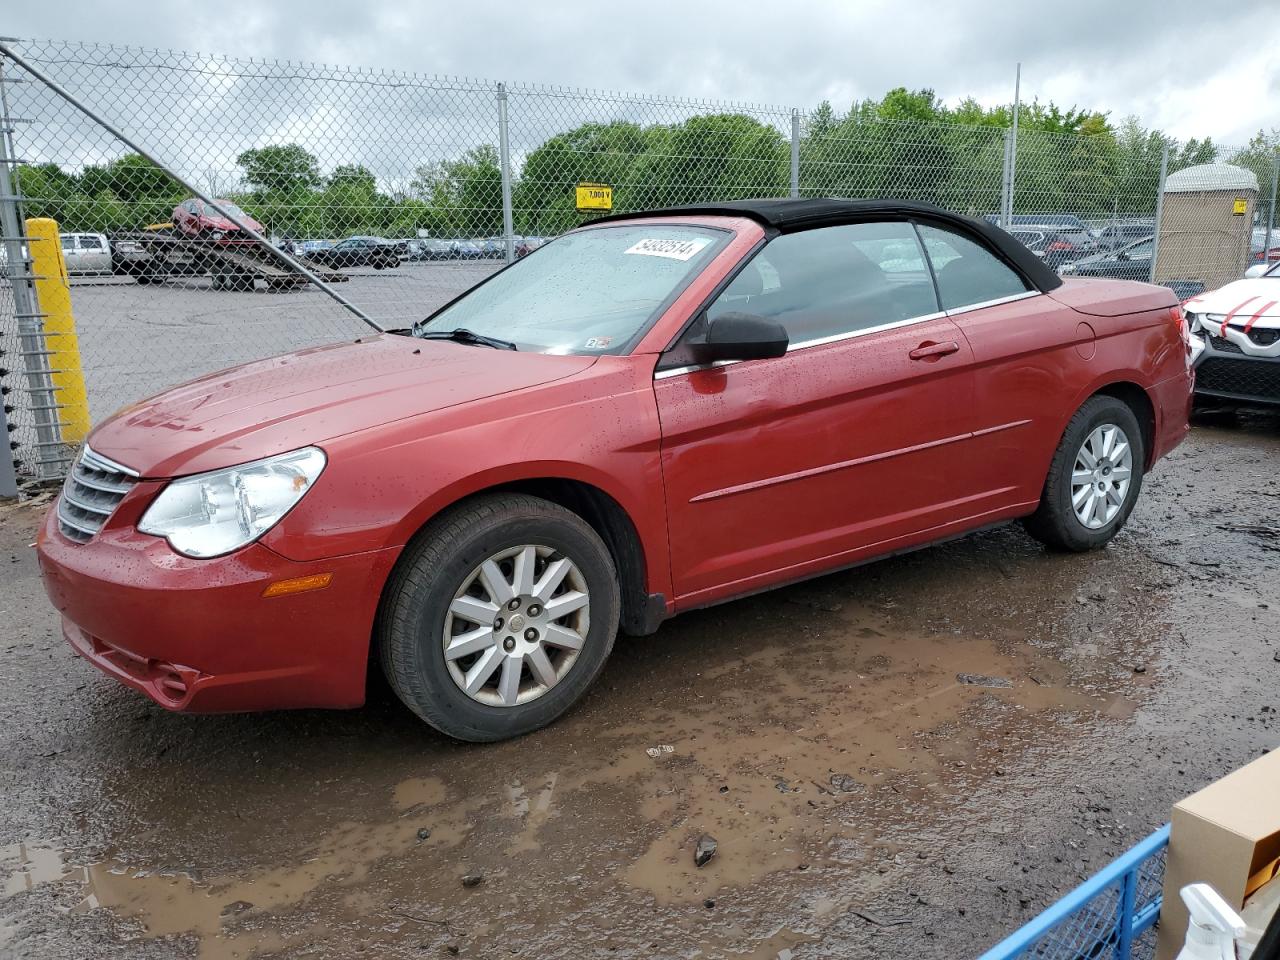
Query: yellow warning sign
594, 196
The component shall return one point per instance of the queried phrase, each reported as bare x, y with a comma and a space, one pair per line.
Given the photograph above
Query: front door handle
932, 352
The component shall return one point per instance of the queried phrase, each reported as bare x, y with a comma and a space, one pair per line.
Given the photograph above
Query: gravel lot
866, 802
136, 340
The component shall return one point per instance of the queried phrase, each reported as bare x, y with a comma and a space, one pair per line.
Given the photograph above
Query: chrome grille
91, 493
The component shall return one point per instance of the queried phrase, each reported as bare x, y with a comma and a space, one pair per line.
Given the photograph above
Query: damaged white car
1235, 335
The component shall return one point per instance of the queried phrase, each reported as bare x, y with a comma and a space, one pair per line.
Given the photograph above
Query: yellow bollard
54, 293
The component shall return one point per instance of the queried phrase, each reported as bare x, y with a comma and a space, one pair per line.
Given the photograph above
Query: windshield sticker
598, 343
671, 249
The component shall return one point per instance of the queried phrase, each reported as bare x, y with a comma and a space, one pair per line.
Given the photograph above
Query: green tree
283, 167
466, 193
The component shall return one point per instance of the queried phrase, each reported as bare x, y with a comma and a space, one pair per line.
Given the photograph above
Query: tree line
906, 144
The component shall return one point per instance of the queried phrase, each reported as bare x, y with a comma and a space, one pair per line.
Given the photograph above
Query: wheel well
1137, 400
606, 517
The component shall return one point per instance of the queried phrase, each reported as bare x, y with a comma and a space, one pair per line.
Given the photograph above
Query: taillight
1179, 317
1061, 245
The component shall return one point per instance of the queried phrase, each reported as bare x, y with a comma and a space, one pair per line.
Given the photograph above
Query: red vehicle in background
196, 219
650, 414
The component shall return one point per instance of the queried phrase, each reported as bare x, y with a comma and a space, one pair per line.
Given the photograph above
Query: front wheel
1094, 479
499, 617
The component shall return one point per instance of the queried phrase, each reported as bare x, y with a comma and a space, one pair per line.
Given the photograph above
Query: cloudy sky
1191, 68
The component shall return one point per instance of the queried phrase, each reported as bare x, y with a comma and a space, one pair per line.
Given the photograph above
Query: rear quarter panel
1038, 360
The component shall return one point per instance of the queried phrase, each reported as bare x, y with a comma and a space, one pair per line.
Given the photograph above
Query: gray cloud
1186, 67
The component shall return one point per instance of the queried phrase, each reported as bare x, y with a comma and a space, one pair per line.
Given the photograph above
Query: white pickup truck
86, 253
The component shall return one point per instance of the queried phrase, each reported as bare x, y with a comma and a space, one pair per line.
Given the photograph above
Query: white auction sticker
671, 249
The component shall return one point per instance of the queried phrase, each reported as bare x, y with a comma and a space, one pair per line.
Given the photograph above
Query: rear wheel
1094, 479
499, 617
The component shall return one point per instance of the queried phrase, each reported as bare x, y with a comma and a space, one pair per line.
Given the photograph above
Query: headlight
214, 513
1067, 269
216, 234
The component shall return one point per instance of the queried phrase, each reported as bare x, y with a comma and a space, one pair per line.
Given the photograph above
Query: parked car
1259, 240
650, 416
464, 250
430, 250
308, 247
1132, 262
196, 219
86, 252
358, 252
1116, 235
1236, 340
526, 245
1052, 248
1067, 227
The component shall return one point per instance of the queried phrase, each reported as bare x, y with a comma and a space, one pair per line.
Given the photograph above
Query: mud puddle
799, 755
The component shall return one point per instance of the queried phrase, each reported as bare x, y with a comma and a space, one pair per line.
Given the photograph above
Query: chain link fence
380, 195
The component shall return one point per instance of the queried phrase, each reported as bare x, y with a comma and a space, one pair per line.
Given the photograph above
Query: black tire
1055, 523
409, 632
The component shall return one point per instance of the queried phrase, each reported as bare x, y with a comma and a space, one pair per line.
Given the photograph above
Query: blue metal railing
1103, 918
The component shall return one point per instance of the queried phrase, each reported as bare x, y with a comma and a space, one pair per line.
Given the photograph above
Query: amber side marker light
283, 588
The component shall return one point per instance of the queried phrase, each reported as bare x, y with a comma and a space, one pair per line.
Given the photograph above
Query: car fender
383, 484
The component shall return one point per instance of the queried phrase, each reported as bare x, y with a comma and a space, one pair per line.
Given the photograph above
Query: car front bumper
1225, 372
198, 635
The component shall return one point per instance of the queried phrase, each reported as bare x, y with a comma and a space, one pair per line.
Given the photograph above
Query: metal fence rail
162, 165
1108, 917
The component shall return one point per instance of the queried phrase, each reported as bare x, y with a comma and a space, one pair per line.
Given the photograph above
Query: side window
967, 272
834, 280
1141, 251
90, 242
68, 241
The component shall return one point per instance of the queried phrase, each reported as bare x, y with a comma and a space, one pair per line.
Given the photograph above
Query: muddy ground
865, 802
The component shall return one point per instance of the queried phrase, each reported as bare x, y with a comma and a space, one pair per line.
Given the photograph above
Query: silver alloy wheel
516, 625
1101, 476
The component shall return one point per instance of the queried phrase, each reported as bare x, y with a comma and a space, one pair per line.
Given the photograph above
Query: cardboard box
1227, 835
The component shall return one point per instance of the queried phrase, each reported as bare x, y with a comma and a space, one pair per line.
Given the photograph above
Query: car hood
1256, 299
272, 406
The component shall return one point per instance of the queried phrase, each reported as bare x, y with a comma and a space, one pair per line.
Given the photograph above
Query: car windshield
590, 292
230, 208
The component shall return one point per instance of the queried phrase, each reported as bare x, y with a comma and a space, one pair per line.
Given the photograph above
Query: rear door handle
931, 352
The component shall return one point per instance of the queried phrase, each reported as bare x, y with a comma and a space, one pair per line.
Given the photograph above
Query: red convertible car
652, 413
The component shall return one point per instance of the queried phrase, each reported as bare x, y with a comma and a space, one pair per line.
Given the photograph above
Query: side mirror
1257, 270
740, 336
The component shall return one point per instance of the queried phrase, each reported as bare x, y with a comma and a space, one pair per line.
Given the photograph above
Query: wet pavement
906, 759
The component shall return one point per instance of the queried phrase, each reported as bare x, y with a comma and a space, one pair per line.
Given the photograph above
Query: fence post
504, 152
1155, 243
38, 390
1124, 918
1013, 139
1271, 214
1006, 186
795, 152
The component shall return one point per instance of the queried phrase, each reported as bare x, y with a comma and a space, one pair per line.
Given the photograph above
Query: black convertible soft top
788, 216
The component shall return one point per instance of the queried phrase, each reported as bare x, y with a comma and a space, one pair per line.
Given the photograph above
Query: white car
1236, 339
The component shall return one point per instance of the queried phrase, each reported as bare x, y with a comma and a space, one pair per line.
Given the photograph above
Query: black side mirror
740, 336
